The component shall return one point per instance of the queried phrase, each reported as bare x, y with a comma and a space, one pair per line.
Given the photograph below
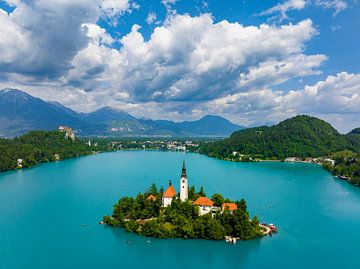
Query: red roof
170, 192
151, 197
229, 206
203, 201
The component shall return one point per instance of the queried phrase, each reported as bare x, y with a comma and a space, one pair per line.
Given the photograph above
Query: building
151, 197
20, 163
168, 195
69, 133
228, 207
184, 187
205, 205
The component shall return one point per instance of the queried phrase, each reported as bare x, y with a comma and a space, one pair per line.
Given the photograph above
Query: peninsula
187, 214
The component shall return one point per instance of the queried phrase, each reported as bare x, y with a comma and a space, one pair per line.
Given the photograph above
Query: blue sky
252, 62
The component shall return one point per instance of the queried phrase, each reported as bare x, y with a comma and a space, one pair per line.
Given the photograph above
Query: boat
273, 228
342, 177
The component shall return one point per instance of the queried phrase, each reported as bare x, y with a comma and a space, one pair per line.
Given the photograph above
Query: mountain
355, 131
300, 136
207, 126
21, 112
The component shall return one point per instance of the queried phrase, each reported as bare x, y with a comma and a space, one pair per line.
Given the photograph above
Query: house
228, 207
151, 197
168, 195
20, 163
205, 205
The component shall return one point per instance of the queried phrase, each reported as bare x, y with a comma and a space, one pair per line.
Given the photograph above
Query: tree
202, 192
191, 192
242, 205
218, 199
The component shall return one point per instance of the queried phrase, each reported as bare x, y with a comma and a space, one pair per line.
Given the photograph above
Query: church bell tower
183, 184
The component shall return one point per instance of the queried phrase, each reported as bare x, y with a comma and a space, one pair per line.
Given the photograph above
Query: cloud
335, 98
40, 39
283, 8
186, 61
195, 58
28, 47
337, 5
113, 8
151, 18
188, 67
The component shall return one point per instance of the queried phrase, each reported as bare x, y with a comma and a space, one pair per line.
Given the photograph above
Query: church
170, 192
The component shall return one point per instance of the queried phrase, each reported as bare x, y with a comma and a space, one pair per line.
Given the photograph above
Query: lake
49, 214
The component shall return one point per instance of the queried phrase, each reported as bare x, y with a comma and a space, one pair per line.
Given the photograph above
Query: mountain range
20, 112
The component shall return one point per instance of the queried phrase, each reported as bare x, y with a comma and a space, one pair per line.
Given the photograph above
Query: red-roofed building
168, 195
228, 207
151, 197
205, 205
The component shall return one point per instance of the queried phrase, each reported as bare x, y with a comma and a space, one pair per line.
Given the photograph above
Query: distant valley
21, 112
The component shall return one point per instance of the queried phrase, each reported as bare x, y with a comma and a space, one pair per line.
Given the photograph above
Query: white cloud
336, 99
337, 5
189, 67
30, 48
114, 7
195, 58
151, 18
283, 8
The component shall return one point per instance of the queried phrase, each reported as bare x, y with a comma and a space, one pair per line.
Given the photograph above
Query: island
187, 214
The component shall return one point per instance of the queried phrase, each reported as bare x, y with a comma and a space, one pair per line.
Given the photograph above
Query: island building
231, 207
170, 192
168, 195
184, 187
205, 205
151, 197
69, 133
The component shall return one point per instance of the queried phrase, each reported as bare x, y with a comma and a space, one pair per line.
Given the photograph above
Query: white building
69, 133
184, 187
168, 195
205, 205
20, 163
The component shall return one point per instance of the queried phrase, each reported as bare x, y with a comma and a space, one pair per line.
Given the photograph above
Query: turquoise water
42, 211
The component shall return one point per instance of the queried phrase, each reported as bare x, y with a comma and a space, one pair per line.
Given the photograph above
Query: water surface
43, 209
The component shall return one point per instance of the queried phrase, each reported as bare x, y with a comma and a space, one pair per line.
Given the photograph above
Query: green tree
218, 199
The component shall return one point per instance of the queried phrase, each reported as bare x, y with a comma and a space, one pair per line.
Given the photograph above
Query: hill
300, 136
355, 131
37, 147
21, 112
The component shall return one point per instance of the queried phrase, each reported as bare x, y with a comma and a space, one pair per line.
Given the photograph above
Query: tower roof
170, 192
183, 172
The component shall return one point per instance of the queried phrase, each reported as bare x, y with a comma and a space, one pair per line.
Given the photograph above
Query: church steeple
183, 184
183, 173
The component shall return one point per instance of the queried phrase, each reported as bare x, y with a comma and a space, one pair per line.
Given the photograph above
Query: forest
39, 146
300, 136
